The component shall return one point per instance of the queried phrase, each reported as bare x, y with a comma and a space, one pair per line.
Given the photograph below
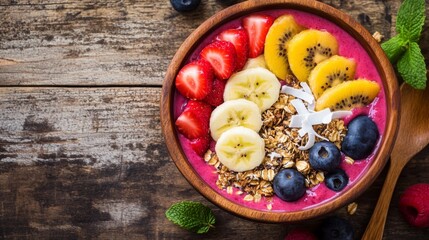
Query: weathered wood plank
56, 124
92, 42
91, 163
115, 42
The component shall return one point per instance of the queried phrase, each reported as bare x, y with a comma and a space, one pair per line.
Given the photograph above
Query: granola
281, 148
351, 208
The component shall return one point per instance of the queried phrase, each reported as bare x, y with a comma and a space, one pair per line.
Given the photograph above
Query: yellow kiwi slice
348, 95
330, 73
279, 34
307, 49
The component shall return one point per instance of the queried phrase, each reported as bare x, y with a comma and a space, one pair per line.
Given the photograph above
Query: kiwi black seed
311, 52
339, 75
351, 101
282, 51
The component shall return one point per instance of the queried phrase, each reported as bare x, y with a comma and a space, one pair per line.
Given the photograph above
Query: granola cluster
281, 151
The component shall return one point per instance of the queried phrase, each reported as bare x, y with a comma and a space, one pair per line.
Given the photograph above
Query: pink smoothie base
348, 47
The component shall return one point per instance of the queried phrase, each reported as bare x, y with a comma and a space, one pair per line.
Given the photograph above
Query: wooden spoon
413, 136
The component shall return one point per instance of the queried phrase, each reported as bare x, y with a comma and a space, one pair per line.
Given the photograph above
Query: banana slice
239, 112
240, 149
258, 85
258, 61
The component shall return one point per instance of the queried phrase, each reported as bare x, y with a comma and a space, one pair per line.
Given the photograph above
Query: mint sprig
412, 65
193, 216
403, 49
410, 20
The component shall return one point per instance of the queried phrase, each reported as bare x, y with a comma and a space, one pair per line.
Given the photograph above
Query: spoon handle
375, 228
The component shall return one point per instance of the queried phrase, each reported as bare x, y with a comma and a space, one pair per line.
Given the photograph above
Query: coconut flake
307, 127
273, 155
306, 88
310, 142
299, 106
307, 116
341, 114
314, 118
298, 93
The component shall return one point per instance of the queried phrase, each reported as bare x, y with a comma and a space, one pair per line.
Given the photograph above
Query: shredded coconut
307, 117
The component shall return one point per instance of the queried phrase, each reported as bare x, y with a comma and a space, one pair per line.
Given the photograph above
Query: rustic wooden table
81, 150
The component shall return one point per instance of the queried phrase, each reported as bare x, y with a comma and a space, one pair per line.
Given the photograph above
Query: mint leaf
394, 48
410, 20
192, 216
403, 49
412, 67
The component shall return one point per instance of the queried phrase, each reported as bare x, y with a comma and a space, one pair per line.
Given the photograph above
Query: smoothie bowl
280, 111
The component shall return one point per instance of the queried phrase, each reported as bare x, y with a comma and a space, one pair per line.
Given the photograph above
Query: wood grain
48, 42
81, 125
413, 136
63, 175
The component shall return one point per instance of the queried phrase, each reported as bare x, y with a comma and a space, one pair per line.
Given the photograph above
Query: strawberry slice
201, 145
194, 121
195, 80
257, 26
240, 40
215, 97
222, 56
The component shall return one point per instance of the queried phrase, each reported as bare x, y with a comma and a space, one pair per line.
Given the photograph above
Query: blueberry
361, 138
185, 5
334, 228
324, 156
289, 185
336, 180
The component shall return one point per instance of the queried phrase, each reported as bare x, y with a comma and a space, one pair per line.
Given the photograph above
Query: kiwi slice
331, 72
307, 49
348, 95
275, 50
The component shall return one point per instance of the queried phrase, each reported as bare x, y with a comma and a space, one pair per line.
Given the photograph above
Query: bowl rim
341, 19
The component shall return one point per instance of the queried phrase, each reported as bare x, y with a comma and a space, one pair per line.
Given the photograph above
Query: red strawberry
215, 97
195, 80
194, 120
414, 205
257, 26
300, 234
240, 40
221, 55
201, 145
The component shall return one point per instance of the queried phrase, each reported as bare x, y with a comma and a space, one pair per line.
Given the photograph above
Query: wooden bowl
340, 19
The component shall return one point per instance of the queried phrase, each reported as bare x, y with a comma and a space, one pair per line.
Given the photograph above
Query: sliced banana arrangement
234, 113
258, 85
240, 149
